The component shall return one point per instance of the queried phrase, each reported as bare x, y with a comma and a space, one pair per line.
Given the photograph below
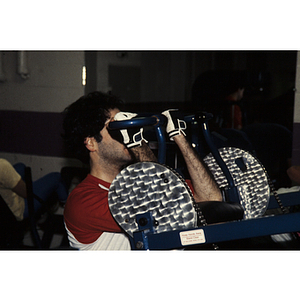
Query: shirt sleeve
9, 177
87, 215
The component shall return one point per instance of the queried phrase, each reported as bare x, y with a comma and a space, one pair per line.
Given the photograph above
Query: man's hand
131, 137
176, 125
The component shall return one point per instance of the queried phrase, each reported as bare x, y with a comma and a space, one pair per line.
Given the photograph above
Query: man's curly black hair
86, 118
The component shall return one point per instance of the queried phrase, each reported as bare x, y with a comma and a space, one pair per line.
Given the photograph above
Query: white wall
55, 81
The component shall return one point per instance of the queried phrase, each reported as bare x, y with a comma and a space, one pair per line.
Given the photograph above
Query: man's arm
143, 153
205, 187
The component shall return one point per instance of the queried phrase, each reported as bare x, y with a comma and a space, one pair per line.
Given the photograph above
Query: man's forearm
20, 189
203, 182
143, 153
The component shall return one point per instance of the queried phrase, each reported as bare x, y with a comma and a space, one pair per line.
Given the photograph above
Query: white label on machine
192, 237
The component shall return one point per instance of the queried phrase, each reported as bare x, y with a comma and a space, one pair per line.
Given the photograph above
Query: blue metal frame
287, 200
215, 233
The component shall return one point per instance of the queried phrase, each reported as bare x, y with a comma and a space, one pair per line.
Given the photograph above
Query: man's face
110, 149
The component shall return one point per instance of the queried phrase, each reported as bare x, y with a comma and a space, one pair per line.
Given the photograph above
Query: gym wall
33, 93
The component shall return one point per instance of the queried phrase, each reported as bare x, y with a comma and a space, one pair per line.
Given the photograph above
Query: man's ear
90, 143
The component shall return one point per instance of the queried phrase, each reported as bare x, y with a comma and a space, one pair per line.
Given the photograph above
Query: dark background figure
220, 92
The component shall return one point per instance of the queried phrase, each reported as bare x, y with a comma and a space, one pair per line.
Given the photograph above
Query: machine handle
157, 121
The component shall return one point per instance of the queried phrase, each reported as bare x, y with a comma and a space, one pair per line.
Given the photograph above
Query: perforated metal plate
248, 175
151, 187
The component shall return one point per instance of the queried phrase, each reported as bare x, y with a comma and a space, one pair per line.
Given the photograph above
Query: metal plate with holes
148, 186
249, 176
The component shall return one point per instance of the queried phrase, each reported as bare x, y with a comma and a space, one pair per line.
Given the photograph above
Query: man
88, 220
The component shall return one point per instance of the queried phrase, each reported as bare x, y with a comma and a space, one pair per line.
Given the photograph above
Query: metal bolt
139, 245
143, 221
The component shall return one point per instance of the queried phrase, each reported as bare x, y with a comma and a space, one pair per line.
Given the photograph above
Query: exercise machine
155, 206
